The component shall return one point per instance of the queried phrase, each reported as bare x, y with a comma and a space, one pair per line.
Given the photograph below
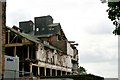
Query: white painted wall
50, 54
69, 50
55, 57
61, 60
64, 60
42, 64
41, 53
58, 59
69, 63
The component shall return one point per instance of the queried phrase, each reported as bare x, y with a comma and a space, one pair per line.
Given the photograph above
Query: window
43, 29
37, 29
51, 28
59, 37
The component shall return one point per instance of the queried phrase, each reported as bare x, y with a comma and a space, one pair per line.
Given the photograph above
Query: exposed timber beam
13, 44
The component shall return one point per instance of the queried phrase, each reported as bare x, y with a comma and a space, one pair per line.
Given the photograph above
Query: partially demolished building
42, 48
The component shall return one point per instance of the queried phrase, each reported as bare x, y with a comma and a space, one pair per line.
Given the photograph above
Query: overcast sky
83, 21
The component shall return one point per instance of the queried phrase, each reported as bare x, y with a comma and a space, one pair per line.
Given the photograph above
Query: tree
114, 15
82, 70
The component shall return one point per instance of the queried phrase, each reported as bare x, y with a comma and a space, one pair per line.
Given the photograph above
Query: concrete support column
61, 73
55, 72
45, 71
22, 69
65, 72
50, 72
31, 68
28, 53
38, 77
38, 71
15, 51
8, 36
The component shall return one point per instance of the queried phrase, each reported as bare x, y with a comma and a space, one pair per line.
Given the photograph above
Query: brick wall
2, 35
0, 39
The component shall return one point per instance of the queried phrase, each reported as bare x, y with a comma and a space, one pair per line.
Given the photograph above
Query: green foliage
82, 70
114, 15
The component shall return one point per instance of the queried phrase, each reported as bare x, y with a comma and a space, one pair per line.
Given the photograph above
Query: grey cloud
98, 56
16, 16
100, 28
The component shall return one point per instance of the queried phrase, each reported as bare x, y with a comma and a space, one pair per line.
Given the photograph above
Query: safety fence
17, 75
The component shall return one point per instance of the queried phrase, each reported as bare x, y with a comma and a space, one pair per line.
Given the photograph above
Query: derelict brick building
42, 48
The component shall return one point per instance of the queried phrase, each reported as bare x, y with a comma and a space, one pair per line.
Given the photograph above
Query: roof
60, 28
45, 17
52, 47
44, 35
54, 24
32, 38
29, 37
